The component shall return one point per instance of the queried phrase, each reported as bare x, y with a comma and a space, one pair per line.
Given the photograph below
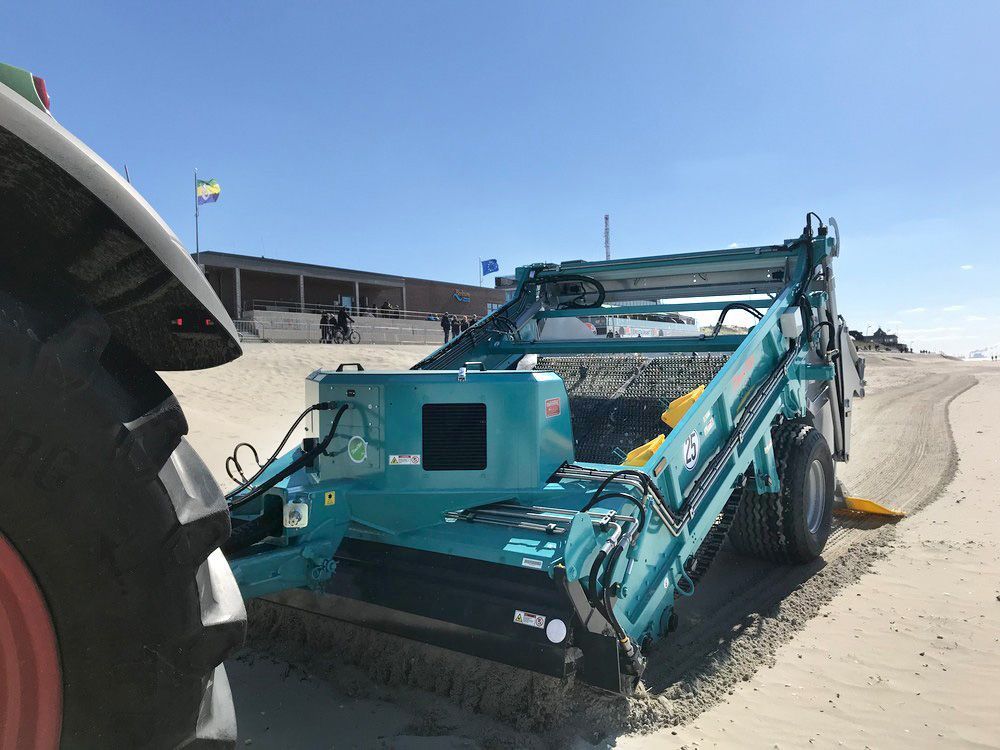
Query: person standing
456, 326
465, 323
324, 327
446, 326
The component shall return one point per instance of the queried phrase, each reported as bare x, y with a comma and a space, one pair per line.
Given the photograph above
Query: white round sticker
556, 631
691, 450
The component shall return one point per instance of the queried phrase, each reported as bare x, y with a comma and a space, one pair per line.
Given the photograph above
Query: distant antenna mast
607, 237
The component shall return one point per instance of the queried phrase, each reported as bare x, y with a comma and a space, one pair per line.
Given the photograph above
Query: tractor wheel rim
30, 679
815, 496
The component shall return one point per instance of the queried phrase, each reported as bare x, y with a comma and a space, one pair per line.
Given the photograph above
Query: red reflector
179, 322
209, 322
43, 93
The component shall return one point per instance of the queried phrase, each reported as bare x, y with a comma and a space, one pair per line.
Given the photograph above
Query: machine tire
120, 523
780, 526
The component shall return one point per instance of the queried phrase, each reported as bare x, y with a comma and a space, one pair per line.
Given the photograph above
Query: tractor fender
75, 232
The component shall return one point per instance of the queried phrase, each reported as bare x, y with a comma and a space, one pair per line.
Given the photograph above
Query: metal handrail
356, 310
400, 333
247, 328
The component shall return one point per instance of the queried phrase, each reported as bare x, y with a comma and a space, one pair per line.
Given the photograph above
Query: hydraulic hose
632, 477
833, 335
641, 476
321, 406
734, 306
306, 458
609, 569
619, 540
580, 301
607, 609
598, 497
232, 462
595, 569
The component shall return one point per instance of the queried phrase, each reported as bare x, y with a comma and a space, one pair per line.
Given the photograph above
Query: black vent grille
454, 437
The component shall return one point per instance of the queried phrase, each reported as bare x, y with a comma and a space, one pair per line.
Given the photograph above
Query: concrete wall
304, 327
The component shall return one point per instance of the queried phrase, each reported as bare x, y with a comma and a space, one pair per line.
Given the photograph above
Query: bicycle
340, 336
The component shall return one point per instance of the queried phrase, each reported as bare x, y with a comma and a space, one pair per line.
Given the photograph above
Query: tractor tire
118, 524
790, 526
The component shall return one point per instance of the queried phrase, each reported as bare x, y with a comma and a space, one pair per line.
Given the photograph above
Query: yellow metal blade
860, 505
679, 406
639, 456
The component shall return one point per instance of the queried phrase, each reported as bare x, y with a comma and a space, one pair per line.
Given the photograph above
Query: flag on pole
208, 192
490, 266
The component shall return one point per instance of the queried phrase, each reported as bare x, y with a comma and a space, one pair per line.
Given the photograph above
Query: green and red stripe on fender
31, 87
30, 678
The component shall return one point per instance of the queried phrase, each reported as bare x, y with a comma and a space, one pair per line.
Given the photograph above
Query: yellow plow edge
857, 505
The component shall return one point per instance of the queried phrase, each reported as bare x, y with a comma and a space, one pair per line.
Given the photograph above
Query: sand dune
889, 641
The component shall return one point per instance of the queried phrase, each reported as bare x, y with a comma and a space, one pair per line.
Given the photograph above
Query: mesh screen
616, 401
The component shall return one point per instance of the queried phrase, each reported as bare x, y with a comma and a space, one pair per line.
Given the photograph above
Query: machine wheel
117, 603
355, 337
790, 526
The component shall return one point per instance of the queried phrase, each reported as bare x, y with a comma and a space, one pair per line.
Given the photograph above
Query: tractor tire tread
125, 536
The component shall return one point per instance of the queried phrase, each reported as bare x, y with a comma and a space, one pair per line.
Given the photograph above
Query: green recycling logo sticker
357, 449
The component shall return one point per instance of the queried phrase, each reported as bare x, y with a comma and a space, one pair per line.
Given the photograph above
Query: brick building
245, 283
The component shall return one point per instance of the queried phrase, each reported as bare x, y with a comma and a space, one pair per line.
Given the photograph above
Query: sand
765, 655
909, 656
256, 397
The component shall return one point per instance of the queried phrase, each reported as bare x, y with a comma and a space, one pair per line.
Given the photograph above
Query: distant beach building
882, 338
247, 283
878, 340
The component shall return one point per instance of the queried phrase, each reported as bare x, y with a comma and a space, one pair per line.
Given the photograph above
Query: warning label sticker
552, 407
530, 562
709, 425
405, 459
527, 618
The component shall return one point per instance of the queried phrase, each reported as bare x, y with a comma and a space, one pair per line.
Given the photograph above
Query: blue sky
415, 137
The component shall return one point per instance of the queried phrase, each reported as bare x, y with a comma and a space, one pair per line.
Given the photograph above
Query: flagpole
480, 272
197, 239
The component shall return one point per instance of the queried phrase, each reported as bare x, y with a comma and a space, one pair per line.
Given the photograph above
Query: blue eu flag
490, 266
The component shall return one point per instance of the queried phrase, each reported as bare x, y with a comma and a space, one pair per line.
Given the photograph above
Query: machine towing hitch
540, 490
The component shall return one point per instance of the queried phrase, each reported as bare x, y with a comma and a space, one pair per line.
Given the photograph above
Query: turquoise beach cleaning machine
540, 490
